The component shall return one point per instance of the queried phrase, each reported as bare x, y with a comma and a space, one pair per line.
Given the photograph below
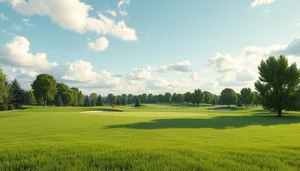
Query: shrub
3, 107
10, 107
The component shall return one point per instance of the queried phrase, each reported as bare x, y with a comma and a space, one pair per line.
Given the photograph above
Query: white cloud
184, 66
123, 2
27, 22
122, 7
16, 27
81, 74
112, 12
74, 15
195, 77
298, 24
246, 74
3, 17
139, 74
261, 2
100, 44
16, 53
222, 63
123, 13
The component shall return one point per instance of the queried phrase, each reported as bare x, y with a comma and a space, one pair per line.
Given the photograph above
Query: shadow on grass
220, 122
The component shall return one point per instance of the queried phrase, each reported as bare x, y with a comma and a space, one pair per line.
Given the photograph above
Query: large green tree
99, 101
247, 96
207, 99
3, 87
228, 97
168, 97
17, 93
187, 97
44, 87
80, 99
278, 84
198, 96
137, 102
30, 98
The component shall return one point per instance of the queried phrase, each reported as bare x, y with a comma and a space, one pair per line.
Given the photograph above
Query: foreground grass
154, 137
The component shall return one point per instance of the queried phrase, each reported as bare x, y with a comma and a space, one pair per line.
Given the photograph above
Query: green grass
153, 137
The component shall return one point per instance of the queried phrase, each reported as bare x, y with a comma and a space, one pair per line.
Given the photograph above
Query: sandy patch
99, 111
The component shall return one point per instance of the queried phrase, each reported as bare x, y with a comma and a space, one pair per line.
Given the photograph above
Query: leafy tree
67, 97
238, 100
144, 98
123, 101
198, 96
150, 98
278, 84
115, 100
174, 98
247, 96
80, 99
124, 96
75, 94
137, 102
44, 87
168, 97
179, 98
58, 101
3, 87
99, 101
228, 97
93, 98
187, 97
111, 99
16, 94
161, 98
257, 99
207, 97
214, 101
118, 101
87, 101
29, 98
130, 99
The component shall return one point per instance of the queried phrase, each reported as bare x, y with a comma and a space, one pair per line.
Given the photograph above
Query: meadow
153, 137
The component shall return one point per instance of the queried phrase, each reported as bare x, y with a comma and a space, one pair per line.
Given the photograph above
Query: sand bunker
100, 111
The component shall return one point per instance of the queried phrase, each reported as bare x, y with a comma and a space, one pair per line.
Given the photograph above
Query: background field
154, 137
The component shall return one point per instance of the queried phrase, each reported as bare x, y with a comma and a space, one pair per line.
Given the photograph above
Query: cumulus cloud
74, 15
3, 17
16, 53
139, 74
99, 45
81, 73
222, 63
184, 66
122, 7
112, 12
27, 22
261, 2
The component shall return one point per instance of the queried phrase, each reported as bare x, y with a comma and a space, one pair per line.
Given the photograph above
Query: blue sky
176, 40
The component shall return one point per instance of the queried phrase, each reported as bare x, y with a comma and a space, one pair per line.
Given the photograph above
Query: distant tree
161, 98
44, 87
150, 98
99, 101
58, 101
214, 101
123, 101
3, 87
228, 97
137, 102
179, 98
278, 84
111, 99
115, 100
198, 96
257, 99
124, 96
247, 96
174, 98
207, 97
75, 94
238, 100
67, 97
168, 97
187, 97
93, 98
80, 99
118, 101
144, 98
29, 98
130, 99
87, 102
16, 93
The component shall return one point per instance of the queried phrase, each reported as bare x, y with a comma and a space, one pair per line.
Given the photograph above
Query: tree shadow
220, 122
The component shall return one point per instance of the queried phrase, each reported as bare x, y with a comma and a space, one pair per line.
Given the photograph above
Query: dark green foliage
144, 98
80, 99
75, 93
10, 107
3, 87
111, 99
228, 97
239, 101
16, 94
3, 107
87, 102
161, 98
130, 99
168, 98
123, 101
29, 98
93, 99
118, 103
257, 99
198, 97
278, 84
247, 96
44, 87
207, 99
187, 97
58, 101
137, 102
99, 101
214, 103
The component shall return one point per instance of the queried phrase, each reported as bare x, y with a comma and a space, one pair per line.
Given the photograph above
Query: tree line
277, 89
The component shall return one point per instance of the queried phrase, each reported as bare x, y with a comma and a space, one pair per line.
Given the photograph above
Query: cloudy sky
136, 46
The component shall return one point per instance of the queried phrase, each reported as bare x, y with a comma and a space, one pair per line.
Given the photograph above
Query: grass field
154, 137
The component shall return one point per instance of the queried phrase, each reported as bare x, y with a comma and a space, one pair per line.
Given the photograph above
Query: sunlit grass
154, 137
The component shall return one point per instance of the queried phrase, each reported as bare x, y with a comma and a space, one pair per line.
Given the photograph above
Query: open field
154, 137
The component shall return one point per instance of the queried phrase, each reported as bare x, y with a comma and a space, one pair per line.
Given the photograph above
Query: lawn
154, 137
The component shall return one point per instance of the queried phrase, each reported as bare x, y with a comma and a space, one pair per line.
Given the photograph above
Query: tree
257, 99
123, 101
80, 99
67, 97
151, 98
111, 98
247, 96
161, 98
58, 101
179, 98
87, 102
75, 94
168, 97
99, 101
29, 98
174, 98
3, 87
16, 93
228, 97
214, 101
207, 97
93, 98
238, 100
44, 87
278, 84
130, 99
137, 102
187, 97
118, 101
144, 98
198, 96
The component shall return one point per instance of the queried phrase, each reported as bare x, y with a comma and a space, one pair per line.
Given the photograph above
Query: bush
10, 107
3, 107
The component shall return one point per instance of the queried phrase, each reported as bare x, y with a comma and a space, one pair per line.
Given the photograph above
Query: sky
146, 46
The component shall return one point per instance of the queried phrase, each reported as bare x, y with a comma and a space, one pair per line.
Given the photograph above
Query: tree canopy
228, 97
247, 96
